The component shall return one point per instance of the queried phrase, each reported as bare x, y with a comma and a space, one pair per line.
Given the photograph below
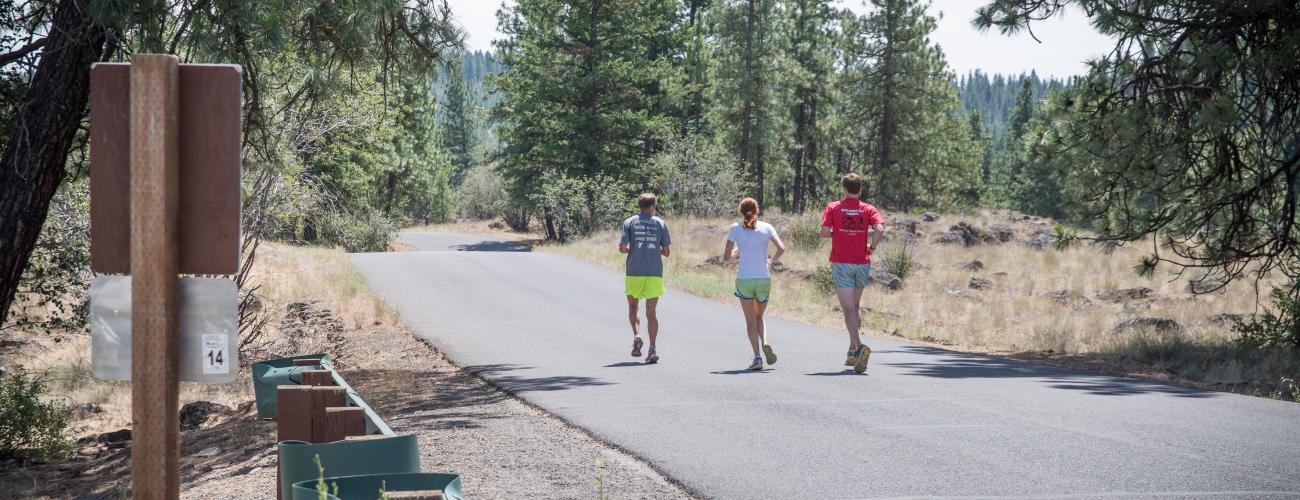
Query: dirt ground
501, 446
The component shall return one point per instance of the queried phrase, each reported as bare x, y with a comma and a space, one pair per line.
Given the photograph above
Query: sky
1067, 42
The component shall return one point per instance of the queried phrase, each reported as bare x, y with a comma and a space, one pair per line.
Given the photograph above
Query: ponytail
749, 210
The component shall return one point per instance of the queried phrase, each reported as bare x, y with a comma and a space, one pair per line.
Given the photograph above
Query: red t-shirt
849, 220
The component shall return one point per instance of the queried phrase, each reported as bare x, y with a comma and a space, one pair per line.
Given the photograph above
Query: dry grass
494, 228
1011, 318
287, 274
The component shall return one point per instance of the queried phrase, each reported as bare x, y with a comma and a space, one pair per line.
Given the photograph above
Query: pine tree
458, 121
917, 149
745, 112
810, 77
583, 93
415, 184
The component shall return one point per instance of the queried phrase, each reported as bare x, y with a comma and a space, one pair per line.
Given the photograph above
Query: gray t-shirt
645, 235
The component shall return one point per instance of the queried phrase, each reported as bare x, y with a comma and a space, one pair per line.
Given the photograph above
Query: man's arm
624, 248
827, 232
664, 250
625, 240
877, 232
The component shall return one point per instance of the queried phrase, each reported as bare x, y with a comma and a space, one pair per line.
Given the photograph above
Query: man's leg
652, 321
632, 316
849, 298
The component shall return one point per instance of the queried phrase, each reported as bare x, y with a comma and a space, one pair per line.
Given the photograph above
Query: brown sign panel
209, 138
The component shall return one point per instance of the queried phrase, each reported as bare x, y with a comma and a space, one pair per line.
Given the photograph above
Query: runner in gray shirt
645, 240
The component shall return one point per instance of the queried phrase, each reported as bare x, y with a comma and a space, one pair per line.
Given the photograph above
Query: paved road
924, 422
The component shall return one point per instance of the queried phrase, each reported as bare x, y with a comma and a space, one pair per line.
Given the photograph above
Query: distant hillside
994, 96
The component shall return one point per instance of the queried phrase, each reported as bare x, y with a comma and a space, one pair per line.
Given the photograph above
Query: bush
902, 261
824, 278
367, 231
30, 429
53, 284
579, 206
805, 234
696, 179
1279, 328
483, 194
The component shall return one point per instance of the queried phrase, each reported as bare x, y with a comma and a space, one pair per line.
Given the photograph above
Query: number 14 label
214, 353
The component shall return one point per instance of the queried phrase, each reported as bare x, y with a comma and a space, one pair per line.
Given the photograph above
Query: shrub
696, 179
483, 194
824, 278
366, 231
1279, 328
30, 429
579, 206
901, 261
805, 234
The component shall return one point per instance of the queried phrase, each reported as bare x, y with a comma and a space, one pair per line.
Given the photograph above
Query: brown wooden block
342, 422
294, 413
367, 436
306, 362
415, 495
322, 398
208, 131
317, 377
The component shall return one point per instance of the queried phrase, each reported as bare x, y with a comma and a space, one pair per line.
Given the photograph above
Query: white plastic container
208, 329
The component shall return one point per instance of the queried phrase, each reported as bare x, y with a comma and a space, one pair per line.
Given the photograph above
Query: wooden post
317, 377
323, 397
306, 362
155, 162
344, 421
293, 413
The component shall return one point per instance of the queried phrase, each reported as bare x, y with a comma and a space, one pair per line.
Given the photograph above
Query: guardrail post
343, 422
321, 399
317, 377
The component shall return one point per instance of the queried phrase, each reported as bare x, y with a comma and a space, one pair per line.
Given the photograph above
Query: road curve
924, 422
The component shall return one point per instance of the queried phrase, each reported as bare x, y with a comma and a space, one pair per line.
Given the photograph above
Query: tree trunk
800, 139
33, 164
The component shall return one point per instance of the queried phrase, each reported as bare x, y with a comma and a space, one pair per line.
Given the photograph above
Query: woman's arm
780, 249
726, 252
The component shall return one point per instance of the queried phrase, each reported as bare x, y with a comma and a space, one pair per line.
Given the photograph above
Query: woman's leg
747, 306
759, 323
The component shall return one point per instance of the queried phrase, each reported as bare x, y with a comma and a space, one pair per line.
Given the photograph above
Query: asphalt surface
923, 422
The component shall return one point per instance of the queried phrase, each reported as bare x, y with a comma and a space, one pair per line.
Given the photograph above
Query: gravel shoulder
501, 446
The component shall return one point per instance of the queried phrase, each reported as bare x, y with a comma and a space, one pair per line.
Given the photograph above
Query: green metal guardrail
357, 467
269, 374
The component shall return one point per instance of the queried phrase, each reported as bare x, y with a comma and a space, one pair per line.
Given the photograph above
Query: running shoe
853, 359
757, 365
864, 353
636, 347
652, 357
770, 354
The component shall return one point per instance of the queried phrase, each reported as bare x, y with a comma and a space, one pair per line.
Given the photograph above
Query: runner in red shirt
846, 223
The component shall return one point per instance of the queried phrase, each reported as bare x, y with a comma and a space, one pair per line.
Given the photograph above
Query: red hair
749, 210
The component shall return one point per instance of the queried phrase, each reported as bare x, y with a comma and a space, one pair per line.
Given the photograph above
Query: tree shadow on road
520, 384
957, 365
495, 246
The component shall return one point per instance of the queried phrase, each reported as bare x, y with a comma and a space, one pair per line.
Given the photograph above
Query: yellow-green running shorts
644, 287
754, 288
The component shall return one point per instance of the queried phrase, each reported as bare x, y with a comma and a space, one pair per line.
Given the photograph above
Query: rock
302, 322
83, 410
977, 283
12, 343
208, 452
959, 292
1204, 285
1041, 238
1141, 305
781, 268
1225, 318
114, 439
1156, 324
886, 279
1125, 294
929, 217
808, 275
1067, 297
717, 261
950, 238
904, 225
999, 275
974, 265
1003, 232
972, 235
194, 415
497, 225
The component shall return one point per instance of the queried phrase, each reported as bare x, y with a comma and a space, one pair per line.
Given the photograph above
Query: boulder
929, 217
1135, 306
115, 439
497, 225
716, 260
1204, 285
1225, 318
958, 292
1156, 324
977, 283
1041, 238
1067, 297
974, 265
1003, 232
194, 415
1125, 294
972, 235
950, 238
886, 279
